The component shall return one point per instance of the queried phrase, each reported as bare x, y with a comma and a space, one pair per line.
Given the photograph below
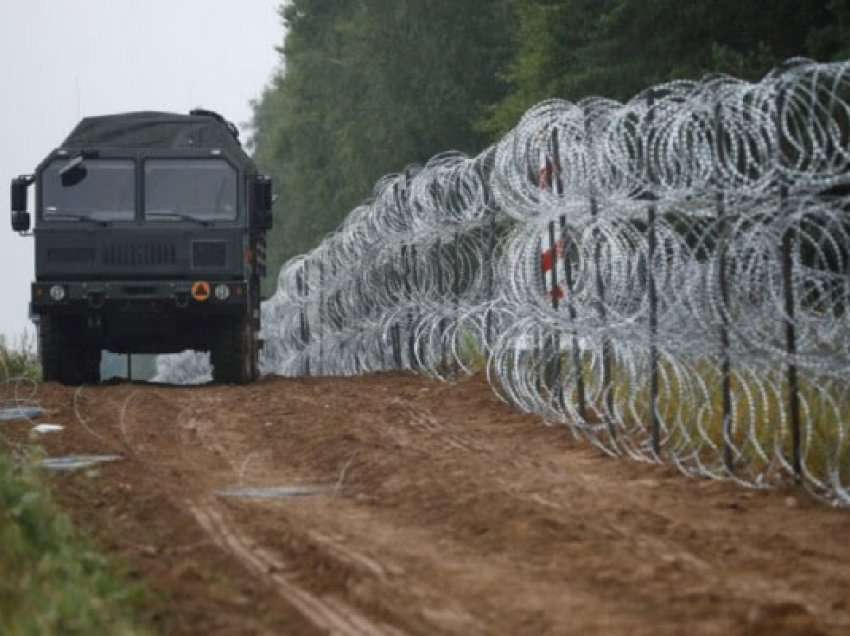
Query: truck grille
70, 255
140, 254
209, 254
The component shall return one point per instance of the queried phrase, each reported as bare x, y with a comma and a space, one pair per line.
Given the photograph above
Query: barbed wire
668, 277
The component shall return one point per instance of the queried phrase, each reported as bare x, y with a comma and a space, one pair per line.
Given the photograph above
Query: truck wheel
51, 347
89, 369
66, 355
234, 354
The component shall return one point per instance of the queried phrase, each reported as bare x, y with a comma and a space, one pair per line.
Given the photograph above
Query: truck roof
158, 130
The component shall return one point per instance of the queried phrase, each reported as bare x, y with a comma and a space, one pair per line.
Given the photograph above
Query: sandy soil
439, 511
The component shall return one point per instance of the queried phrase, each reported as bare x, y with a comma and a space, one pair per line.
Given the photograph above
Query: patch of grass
471, 352
52, 581
19, 360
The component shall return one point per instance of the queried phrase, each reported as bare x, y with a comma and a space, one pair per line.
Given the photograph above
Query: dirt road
427, 509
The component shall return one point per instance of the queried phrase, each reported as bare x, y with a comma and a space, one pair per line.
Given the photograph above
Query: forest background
367, 87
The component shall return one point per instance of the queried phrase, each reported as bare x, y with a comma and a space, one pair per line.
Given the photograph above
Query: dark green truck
149, 238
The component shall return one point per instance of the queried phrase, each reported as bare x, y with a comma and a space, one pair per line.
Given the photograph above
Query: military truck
149, 238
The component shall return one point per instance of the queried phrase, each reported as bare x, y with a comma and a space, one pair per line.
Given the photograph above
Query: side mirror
20, 221
20, 215
263, 201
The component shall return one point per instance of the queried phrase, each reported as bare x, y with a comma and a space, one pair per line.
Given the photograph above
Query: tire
51, 346
89, 363
234, 353
67, 354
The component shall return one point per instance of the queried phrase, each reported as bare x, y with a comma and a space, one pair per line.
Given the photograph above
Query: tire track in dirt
326, 612
329, 614
198, 426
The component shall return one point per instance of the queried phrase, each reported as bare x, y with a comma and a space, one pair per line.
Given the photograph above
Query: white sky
64, 59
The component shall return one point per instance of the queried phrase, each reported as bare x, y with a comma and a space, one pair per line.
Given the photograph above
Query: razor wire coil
668, 277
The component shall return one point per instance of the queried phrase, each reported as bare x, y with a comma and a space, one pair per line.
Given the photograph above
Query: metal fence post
457, 291
788, 242
569, 283
441, 329
726, 362
652, 239
410, 283
553, 382
607, 388
491, 281
304, 324
321, 316
395, 330
581, 393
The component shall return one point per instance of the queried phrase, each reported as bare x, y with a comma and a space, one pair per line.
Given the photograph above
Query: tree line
366, 87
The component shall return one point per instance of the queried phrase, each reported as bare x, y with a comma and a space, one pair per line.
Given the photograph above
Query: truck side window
203, 189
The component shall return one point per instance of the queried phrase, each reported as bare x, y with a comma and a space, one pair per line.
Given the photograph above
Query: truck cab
149, 233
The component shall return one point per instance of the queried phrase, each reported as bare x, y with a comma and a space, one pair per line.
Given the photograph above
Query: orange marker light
201, 291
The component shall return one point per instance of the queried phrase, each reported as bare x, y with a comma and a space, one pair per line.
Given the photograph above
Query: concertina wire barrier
668, 277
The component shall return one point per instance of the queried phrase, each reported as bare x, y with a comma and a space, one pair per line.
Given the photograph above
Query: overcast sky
63, 59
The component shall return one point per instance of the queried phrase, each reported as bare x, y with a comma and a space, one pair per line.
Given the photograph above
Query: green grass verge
53, 581
19, 361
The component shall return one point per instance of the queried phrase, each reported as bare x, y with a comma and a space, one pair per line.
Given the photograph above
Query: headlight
222, 291
57, 293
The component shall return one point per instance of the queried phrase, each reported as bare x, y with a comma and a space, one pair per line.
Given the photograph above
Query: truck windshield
107, 193
200, 189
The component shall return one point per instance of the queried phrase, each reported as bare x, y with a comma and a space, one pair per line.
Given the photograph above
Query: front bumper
135, 295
